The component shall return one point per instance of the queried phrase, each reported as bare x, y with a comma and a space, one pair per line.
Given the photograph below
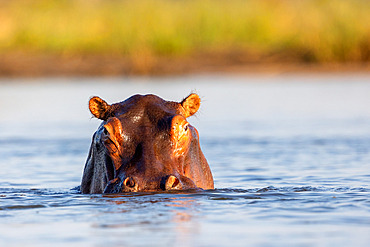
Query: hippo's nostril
129, 182
171, 182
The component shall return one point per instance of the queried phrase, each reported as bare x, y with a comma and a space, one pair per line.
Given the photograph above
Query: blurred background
113, 37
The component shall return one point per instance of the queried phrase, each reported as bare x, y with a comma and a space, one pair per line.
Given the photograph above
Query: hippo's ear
99, 108
191, 104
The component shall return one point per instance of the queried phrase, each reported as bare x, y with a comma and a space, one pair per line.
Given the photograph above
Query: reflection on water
258, 215
172, 217
290, 157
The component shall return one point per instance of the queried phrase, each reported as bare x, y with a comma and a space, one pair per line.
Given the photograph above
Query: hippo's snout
170, 182
131, 184
118, 185
113, 186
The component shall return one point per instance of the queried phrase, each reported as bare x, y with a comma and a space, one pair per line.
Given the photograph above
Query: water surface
290, 155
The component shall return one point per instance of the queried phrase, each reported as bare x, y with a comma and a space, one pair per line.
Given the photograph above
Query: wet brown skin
145, 144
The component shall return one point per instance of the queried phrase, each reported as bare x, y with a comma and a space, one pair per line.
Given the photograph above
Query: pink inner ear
99, 108
191, 104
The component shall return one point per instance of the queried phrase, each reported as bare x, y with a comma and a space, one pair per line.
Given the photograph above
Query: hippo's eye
111, 137
106, 135
181, 131
180, 135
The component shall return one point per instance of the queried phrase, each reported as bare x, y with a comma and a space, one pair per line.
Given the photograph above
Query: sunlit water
290, 155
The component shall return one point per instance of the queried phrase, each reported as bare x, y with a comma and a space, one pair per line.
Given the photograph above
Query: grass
308, 30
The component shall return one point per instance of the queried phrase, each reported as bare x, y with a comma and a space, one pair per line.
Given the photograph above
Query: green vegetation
307, 30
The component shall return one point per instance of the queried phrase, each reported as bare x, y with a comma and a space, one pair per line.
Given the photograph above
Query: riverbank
38, 65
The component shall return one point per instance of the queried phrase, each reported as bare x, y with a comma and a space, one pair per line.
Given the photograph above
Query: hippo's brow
164, 124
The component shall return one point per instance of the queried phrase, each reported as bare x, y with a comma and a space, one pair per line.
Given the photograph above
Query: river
290, 155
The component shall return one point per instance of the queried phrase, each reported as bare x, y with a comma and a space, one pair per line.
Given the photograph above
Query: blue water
290, 155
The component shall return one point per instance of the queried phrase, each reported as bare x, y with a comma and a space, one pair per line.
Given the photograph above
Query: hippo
145, 144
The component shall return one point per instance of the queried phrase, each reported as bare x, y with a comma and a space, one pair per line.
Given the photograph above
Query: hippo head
145, 144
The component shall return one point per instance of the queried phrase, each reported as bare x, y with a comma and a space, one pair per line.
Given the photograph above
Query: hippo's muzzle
132, 184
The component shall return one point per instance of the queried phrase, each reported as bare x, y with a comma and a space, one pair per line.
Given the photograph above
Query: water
290, 155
